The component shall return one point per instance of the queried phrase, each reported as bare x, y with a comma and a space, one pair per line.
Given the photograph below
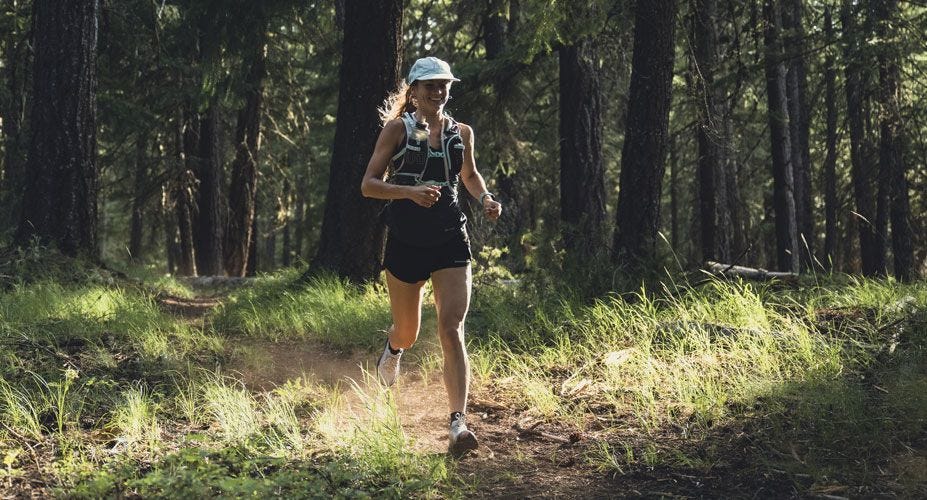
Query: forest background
632, 143
790, 145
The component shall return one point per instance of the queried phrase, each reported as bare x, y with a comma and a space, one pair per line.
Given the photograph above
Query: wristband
483, 196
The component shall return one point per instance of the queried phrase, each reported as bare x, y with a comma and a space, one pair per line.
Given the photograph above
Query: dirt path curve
508, 463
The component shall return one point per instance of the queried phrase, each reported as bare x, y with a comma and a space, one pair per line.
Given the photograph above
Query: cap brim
437, 76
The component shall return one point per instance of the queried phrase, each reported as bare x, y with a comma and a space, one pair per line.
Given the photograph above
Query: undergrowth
103, 394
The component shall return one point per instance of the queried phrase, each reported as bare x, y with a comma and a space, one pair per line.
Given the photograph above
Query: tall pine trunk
714, 217
780, 142
643, 155
830, 160
243, 181
582, 174
13, 70
796, 90
60, 197
139, 199
864, 189
891, 157
352, 237
207, 222
183, 194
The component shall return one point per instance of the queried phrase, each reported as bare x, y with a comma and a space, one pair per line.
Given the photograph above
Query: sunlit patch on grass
134, 419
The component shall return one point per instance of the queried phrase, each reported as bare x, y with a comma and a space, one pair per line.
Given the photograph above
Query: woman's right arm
373, 185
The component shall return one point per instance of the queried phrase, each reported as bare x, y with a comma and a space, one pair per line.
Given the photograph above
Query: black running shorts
412, 264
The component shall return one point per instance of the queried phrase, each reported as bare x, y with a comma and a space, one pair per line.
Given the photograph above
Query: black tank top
416, 225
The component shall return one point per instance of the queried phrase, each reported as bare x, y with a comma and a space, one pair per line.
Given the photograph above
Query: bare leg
405, 301
452, 299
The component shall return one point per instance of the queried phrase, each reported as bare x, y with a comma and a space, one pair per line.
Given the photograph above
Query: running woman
421, 157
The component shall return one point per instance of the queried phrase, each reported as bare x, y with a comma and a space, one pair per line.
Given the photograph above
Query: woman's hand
491, 208
425, 195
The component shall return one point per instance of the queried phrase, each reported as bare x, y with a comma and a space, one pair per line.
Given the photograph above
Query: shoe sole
466, 442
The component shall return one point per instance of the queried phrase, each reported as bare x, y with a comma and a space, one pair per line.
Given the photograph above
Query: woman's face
432, 95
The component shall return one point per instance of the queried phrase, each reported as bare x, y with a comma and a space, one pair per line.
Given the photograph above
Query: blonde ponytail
397, 103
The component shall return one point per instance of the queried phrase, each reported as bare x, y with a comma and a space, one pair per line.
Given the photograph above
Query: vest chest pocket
456, 152
415, 157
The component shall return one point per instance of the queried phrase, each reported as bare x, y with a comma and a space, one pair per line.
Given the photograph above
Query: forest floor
267, 389
520, 455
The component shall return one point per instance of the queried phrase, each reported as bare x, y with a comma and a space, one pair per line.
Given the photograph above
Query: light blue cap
430, 68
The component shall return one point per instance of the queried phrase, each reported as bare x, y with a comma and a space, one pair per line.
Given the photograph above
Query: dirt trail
508, 463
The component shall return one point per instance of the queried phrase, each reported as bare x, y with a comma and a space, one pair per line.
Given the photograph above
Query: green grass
824, 383
326, 309
721, 356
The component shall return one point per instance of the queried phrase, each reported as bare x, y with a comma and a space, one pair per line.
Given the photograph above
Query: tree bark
643, 154
830, 160
183, 194
714, 217
139, 199
796, 89
252, 267
891, 157
207, 222
243, 182
352, 236
60, 197
302, 214
780, 142
582, 173
856, 74
13, 110
285, 208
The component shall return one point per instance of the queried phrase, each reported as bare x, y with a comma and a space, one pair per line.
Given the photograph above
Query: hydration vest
414, 224
411, 160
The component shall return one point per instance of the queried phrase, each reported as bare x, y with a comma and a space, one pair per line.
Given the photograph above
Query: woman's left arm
472, 179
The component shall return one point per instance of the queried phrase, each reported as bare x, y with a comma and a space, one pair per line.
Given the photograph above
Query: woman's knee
450, 331
403, 336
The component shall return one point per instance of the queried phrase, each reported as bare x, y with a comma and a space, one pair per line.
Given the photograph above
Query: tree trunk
243, 182
252, 267
498, 21
270, 246
300, 219
285, 209
830, 161
207, 223
714, 217
674, 193
778, 114
13, 71
60, 197
860, 147
796, 88
183, 195
582, 173
352, 236
642, 158
891, 157
139, 198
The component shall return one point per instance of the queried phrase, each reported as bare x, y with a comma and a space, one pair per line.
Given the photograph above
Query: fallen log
750, 273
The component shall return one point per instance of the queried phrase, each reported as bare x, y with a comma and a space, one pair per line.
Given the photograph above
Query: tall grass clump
21, 410
378, 447
232, 408
326, 308
134, 419
696, 354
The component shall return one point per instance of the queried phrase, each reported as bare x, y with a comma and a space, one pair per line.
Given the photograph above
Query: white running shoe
388, 365
461, 439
